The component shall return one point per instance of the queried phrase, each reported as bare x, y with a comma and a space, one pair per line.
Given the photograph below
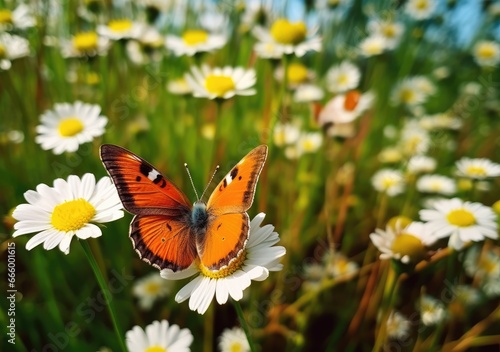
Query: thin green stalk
208, 326
105, 291
244, 325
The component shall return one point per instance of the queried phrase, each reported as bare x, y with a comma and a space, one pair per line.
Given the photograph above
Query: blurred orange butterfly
170, 233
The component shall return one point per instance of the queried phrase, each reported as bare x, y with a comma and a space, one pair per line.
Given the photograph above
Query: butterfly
170, 233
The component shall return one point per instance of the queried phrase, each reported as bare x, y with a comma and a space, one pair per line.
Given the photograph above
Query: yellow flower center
70, 127
219, 84
487, 265
461, 217
5, 16
407, 244
120, 25
236, 347
194, 36
389, 30
2, 51
85, 42
496, 207
486, 51
407, 95
155, 349
422, 4
399, 222
152, 288
72, 215
388, 182
474, 170
296, 73
234, 265
285, 32
464, 184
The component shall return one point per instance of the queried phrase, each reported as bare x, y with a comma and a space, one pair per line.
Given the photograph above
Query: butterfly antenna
192, 183
209, 182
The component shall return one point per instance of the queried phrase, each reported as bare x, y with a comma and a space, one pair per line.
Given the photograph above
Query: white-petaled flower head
233, 340
478, 168
342, 77
462, 221
487, 53
221, 82
421, 9
436, 184
404, 243
194, 41
67, 126
159, 336
389, 181
70, 208
150, 288
432, 311
397, 326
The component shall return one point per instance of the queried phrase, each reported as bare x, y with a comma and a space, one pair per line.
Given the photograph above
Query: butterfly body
170, 233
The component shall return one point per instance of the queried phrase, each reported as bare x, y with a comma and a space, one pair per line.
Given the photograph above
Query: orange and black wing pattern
234, 194
143, 190
164, 242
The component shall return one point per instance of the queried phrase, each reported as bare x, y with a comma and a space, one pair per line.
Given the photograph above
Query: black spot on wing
239, 178
218, 226
234, 173
145, 169
169, 227
158, 179
138, 178
224, 182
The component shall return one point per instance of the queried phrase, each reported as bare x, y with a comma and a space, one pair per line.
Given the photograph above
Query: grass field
382, 125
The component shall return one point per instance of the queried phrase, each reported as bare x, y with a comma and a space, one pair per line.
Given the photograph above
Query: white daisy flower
253, 263
342, 77
221, 82
462, 221
345, 108
389, 181
159, 336
487, 53
20, 18
466, 295
179, 86
442, 121
70, 208
390, 30
436, 184
477, 169
372, 45
12, 47
491, 287
482, 264
195, 41
309, 142
269, 50
421, 164
409, 92
338, 265
414, 140
306, 93
405, 244
397, 326
288, 37
67, 126
233, 340
85, 44
432, 311
314, 273
150, 288
121, 29
420, 9
285, 134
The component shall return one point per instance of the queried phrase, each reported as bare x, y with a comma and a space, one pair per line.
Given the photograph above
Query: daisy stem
208, 339
244, 325
105, 291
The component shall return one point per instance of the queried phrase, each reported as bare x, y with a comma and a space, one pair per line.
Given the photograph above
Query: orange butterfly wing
142, 189
162, 241
234, 194
160, 231
226, 235
229, 227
